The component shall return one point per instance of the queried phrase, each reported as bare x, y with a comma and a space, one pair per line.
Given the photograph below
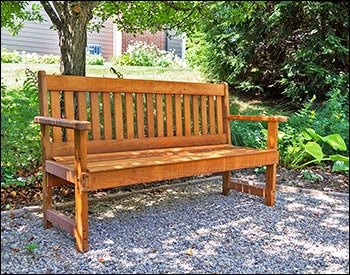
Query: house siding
39, 38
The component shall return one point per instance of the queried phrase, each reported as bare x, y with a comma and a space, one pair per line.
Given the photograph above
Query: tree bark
71, 19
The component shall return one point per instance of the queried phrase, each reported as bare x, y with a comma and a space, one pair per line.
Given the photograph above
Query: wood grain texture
119, 132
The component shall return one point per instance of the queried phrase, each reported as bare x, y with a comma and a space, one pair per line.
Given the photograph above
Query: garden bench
101, 133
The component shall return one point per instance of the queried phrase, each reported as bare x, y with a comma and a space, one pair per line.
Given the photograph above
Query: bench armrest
259, 118
65, 123
272, 126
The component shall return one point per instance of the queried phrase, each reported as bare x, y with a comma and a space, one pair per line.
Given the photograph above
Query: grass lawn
13, 75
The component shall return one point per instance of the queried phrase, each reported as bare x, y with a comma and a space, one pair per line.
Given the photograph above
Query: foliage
316, 134
284, 48
14, 13
8, 56
19, 135
142, 54
94, 59
31, 247
305, 148
310, 175
138, 16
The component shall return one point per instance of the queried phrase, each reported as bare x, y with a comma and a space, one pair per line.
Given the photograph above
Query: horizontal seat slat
127, 160
143, 174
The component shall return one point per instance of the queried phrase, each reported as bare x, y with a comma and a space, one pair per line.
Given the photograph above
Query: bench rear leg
47, 199
270, 187
225, 182
81, 218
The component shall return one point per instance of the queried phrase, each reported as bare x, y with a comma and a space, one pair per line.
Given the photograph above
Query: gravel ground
191, 229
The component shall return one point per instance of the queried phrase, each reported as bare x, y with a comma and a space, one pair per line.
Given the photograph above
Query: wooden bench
106, 132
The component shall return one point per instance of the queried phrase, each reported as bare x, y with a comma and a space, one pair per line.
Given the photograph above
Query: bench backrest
130, 114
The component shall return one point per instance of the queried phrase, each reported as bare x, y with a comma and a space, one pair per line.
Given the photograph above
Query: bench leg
81, 218
225, 182
270, 188
47, 199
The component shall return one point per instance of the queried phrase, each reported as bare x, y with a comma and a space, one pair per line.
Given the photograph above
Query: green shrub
94, 59
142, 54
14, 56
8, 56
20, 137
34, 58
288, 49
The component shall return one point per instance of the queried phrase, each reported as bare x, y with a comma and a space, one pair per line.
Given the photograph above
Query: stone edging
65, 205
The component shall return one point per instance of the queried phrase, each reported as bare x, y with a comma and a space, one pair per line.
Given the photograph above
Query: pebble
192, 229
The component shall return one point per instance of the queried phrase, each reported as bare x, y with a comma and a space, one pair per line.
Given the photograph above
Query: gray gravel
192, 229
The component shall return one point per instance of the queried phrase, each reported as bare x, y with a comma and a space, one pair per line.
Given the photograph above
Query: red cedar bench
123, 131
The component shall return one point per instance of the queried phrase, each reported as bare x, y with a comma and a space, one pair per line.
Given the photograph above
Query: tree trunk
71, 19
73, 41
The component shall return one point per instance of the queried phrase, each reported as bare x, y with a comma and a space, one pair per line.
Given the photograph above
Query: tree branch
52, 14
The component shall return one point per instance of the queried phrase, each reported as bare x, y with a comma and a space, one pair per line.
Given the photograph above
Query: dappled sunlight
195, 229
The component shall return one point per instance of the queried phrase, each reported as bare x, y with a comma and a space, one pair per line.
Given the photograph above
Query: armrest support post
272, 131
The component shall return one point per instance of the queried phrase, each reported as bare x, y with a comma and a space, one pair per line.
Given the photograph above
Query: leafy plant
310, 175
94, 59
8, 56
305, 149
142, 54
31, 247
20, 137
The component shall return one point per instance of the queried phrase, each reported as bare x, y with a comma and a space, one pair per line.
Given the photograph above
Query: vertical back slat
204, 115
82, 108
140, 117
178, 116
107, 116
219, 114
118, 116
56, 112
169, 116
187, 115
130, 133
69, 112
150, 115
160, 115
226, 112
95, 116
195, 115
211, 115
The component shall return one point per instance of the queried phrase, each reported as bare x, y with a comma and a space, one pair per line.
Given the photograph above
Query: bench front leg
270, 185
81, 220
271, 170
47, 199
81, 197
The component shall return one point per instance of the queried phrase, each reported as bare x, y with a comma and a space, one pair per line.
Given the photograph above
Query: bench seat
159, 164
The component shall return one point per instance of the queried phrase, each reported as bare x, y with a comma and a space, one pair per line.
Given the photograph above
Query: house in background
109, 42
